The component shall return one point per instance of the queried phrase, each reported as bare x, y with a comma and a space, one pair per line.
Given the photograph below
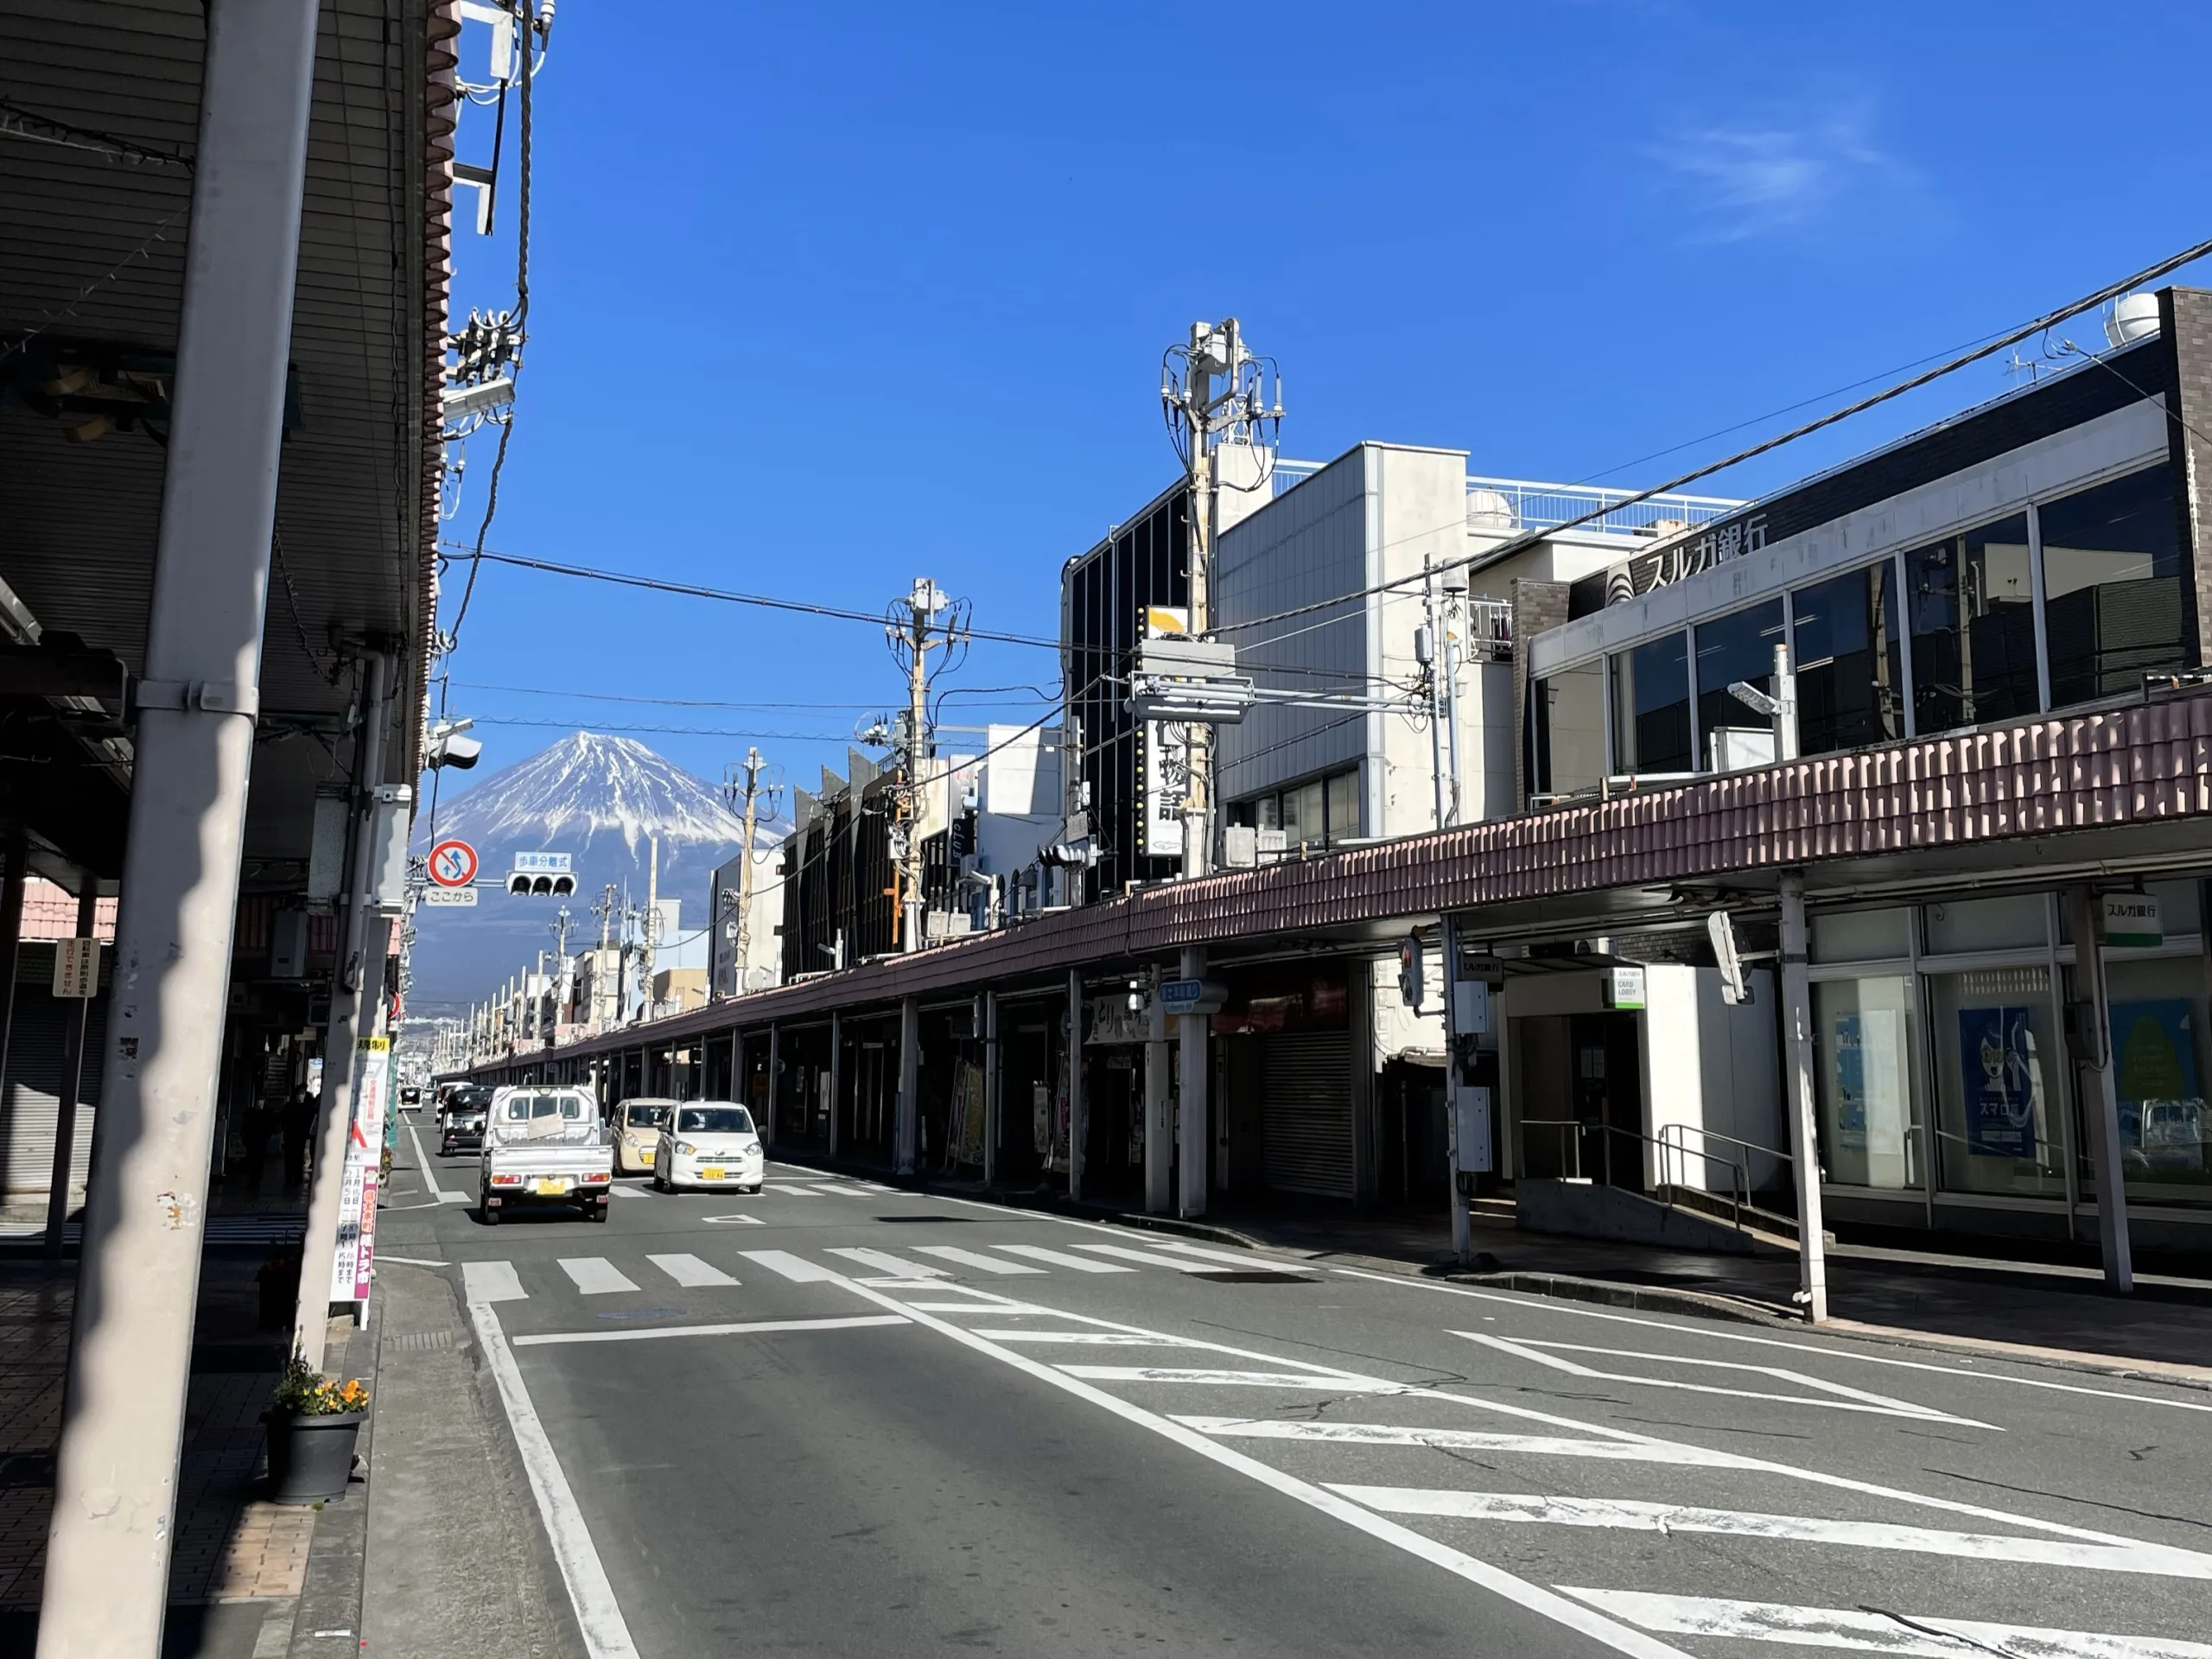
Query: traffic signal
1412, 972
523, 885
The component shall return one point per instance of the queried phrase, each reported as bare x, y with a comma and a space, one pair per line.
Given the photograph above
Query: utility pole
744, 870
1202, 418
1426, 656
653, 924
559, 926
914, 632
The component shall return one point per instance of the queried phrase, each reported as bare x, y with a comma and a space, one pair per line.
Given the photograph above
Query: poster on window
2002, 1076
2162, 1118
1850, 1085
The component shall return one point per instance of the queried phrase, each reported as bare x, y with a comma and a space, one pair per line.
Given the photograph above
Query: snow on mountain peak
585, 785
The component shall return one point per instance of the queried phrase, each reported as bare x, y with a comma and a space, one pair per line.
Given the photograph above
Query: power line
1532, 538
690, 590
670, 731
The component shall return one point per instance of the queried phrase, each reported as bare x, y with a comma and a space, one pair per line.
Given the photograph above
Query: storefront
1292, 1101
1946, 1094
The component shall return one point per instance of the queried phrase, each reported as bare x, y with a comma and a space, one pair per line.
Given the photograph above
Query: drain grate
420, 1342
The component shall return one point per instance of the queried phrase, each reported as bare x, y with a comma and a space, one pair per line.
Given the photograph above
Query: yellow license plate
549, 1188
712, 1172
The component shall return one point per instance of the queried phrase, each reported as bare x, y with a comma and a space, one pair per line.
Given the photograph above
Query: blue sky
826, 298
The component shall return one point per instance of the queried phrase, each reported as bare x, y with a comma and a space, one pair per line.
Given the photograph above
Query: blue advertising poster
1850, 1085
2154, 1074
1997, 1058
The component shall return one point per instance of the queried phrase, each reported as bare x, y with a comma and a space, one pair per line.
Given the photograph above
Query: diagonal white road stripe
1239, 1379
2160, 1560
1865, 1631
1461, 1440
883, 1261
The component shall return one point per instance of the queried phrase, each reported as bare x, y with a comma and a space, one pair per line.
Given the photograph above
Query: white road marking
1094, 1339
2161, 1560
972, 1259
1460, 1439
491, 1282
751, 1221
1147, 1257
1855, 1400
690, 1271
1548, 1603
1860, 1630
599, 1616
1239, 1379
1543, 1304
430, 1175
843, 1192
897, 1266
1060, 1258
754, 1327
796, 1267
621, 1192
596, 1275
788, 1191
1246, 1259
411, 1261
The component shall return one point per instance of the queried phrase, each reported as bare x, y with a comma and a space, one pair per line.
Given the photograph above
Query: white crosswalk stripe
788, 1190
596, 1275
797, 1268
1462, 1440
897, 1266
972, 1259
2161, 1560
1870, 1632
491, 1282
1147, 1258
690, 1271
1061, 1259
1237, 1379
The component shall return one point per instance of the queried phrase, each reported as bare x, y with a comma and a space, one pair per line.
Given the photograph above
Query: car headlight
685, 1148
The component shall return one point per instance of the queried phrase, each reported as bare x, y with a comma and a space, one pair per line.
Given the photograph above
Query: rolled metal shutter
1305, 1112
28, 1098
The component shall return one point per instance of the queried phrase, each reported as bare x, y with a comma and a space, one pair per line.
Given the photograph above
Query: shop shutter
29, 1099
1306, 1111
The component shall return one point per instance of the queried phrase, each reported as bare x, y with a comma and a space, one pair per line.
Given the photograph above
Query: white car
709, 1143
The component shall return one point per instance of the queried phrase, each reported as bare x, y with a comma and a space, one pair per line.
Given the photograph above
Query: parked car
637, 1126
709, 1143
460, 1119
544, 1145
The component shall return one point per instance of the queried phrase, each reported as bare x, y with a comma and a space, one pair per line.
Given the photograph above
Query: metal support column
73, 1078
837, 1075
2092, 1064
1078, 1106
775, 1086
115, 1486
1804, 1130
990, 1088
11, 938
906, 1134
1159, 1110
1459, 1133
1196, 1141
353, 993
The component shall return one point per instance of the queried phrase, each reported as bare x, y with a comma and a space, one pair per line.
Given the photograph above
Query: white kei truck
544, 1145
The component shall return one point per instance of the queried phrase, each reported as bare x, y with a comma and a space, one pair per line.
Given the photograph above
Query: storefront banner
2154, 1075
2003, 1079
1870, 1113
357, 1215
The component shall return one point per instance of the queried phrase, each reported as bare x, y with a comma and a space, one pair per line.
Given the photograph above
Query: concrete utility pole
1195, 1142
1804, 1129
1203, 417
652, 919
1158, 1108
357, 989
914, 636
744, 870
115, 1484
1426, 658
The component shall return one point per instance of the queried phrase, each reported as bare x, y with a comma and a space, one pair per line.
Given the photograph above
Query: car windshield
642, 1116
714, 1120
468, 1100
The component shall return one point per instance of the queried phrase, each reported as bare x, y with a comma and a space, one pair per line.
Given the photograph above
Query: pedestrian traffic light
1412, 972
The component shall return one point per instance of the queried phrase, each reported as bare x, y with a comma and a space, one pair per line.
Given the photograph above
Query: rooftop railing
1507, 506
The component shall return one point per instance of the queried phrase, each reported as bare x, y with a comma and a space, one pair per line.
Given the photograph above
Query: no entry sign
453, 863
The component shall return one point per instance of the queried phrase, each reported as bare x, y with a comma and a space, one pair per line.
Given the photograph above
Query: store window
1651, 707
2158, 1025
1322, 812
2112, 587
2015, 922
1342, 808
1999, 1082
1865, 1040
1972, 601
1738, 646
1567, 731
1850, 679
1861, 935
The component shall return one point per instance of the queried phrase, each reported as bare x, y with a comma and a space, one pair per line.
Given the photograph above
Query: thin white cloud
1744, 181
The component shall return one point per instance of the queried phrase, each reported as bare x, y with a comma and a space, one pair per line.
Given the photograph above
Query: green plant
305, 1392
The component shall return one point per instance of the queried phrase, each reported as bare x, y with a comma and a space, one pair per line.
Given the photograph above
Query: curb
336, 1579
1649, 1298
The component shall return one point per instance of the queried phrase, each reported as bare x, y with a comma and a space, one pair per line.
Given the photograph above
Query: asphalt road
838, 1418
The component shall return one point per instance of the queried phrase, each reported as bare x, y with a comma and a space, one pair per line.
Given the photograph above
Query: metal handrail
1738, 1194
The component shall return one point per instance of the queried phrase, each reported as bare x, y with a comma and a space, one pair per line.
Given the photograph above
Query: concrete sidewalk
240, 1562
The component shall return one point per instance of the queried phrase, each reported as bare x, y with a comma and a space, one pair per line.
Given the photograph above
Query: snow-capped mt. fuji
589, 786
603, 800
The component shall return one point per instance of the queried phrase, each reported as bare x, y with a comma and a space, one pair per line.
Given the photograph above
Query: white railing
1504, 506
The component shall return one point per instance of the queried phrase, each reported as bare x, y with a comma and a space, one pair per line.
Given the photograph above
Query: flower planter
311, 1458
